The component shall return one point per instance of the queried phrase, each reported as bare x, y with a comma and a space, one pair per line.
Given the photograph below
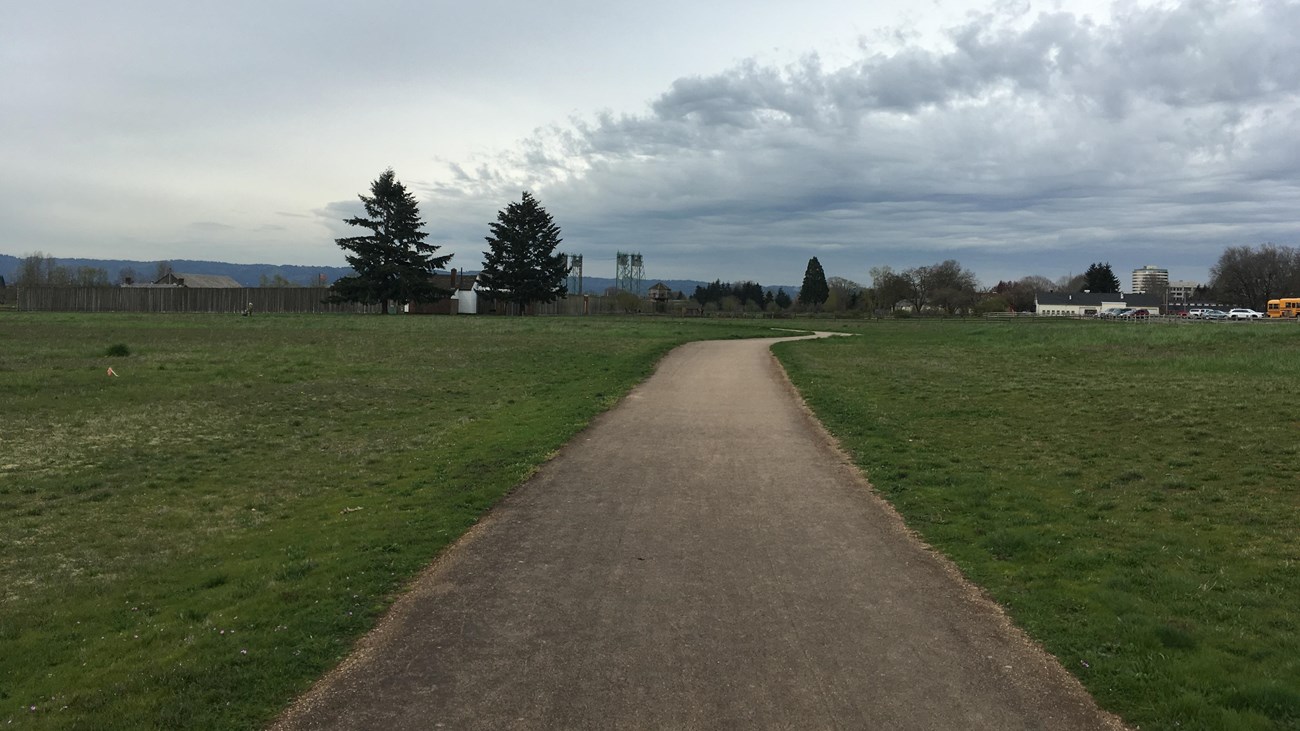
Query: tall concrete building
1181, 291
1150, 280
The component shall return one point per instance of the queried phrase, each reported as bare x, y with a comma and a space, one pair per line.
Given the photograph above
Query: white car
1244, 313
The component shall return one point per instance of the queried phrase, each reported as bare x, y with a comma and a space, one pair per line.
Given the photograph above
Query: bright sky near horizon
728, 140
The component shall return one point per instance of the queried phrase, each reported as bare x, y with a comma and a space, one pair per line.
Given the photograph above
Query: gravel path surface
700, 557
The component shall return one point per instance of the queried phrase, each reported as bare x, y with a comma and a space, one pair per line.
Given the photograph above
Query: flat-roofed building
1181, 291
1150, 280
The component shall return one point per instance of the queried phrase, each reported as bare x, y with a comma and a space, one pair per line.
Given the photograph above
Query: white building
1086, 304
1150, 279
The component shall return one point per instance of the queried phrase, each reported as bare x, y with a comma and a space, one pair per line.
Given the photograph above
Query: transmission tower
629, 272
574, 282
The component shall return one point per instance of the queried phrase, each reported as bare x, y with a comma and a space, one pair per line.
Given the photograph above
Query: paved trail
700, 558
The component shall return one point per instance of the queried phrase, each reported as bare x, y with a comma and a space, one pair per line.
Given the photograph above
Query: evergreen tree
392, 262
814, 290
782, 299
521, 265
750, 293
1099, 278
745, 292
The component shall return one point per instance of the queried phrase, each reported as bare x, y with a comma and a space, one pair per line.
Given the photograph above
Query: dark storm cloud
1163, 135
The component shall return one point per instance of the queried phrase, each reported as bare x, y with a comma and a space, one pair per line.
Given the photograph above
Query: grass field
189, 544
1130, 494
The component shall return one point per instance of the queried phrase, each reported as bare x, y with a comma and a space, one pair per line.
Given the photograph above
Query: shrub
117, 351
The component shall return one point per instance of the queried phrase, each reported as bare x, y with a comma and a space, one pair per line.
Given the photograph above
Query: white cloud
1158, 135
1017, 140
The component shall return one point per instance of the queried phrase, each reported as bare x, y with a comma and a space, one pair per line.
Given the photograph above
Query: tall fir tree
1100, 278
392, 262
521, 265
814, 290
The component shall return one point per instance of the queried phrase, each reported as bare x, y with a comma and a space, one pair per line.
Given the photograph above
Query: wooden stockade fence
277, 299
181, 299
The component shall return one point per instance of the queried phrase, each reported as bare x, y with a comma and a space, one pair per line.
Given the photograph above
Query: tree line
1253, 275
39, 269
1243, 275
746, 295
946, 285
42, 270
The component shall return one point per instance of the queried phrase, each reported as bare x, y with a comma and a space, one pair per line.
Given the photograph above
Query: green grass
191, 543
1131, 494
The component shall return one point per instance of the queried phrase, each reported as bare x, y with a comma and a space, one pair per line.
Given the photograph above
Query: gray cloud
1158, 137
1017, 141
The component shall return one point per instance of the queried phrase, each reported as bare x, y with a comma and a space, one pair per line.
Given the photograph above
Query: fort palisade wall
277, 299
181, 299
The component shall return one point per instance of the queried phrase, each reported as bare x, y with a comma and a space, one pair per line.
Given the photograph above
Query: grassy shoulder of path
1130, 493
190, 543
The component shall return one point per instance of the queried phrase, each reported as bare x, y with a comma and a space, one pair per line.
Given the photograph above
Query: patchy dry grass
190, 543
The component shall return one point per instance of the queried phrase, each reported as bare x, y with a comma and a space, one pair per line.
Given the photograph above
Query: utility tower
574, 282
629, 272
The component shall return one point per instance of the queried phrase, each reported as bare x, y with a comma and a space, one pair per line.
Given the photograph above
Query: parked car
1111, 313
1138, 314
1244, 313
1212, 315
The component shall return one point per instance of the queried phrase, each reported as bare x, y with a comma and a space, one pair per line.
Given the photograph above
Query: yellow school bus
1285, 307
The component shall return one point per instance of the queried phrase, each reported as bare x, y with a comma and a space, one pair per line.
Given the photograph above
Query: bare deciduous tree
1250, 276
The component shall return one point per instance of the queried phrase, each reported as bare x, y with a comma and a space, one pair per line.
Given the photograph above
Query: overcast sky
727, 139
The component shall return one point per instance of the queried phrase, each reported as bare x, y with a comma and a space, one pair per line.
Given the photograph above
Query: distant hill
250, 275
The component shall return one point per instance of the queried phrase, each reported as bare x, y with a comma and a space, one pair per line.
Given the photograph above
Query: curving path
701, 557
